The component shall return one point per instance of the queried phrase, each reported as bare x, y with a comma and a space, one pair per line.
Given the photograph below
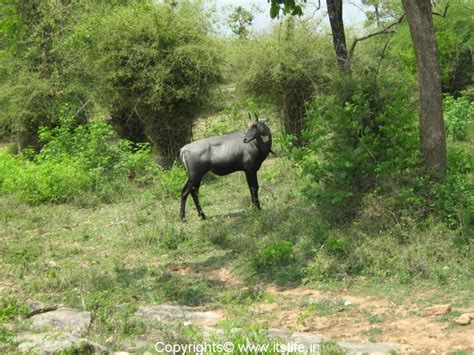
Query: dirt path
340, 315
363, 318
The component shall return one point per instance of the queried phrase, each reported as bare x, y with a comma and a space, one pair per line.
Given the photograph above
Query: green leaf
274, 10
297, 11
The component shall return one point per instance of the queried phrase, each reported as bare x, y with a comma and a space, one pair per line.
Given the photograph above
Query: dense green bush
454, 37
458, 115
74, 160
156, 64
37, 75
277, 254
367, 142
366, 150
453, 198
286, 70
150, 66
169, 182
36, 183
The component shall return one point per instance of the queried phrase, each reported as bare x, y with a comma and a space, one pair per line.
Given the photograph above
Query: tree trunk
338, 34
432, 133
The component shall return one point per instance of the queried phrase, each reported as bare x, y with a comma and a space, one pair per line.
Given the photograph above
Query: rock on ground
55, 343
438, 310
170, 313
36, 307
64, 319
463, 319
314, 342
368, 348
208, 320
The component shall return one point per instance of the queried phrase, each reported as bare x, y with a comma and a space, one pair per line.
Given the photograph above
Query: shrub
10, 308
159, 67
452, 198
458, 115
38, 76
36, 183
277, 254
169, 182
286, 72
74, 160
368, 142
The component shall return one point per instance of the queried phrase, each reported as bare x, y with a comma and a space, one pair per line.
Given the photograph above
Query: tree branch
382, 56
385, 30
444, 12
316, 8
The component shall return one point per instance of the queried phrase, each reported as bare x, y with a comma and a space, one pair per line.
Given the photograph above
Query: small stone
36, 307
64, 319
56, 343
463, 319
52, 264
307, 339
170, 313
369, 348
438, 310
347, 303
278, 334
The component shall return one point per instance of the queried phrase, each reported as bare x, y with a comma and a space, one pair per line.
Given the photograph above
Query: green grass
112, 258
324, 306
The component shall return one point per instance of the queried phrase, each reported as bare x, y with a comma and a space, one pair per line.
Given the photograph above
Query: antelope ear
250, 117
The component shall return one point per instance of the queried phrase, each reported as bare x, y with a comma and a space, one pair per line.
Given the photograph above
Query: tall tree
239, 21
295, 7
432, 133
338, 34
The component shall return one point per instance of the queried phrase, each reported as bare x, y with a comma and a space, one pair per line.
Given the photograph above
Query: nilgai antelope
224, 155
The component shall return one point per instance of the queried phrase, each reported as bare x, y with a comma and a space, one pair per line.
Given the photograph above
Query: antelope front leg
253, 187
184, 196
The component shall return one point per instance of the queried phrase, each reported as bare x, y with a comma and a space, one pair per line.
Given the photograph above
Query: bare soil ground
360, 318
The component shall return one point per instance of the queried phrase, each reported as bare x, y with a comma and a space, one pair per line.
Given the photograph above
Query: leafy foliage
355, 147
287, 73
36, 78
458, 115
455, 39
150, 66
75, 160
239, 21
291, 7
159, 67
351, 201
